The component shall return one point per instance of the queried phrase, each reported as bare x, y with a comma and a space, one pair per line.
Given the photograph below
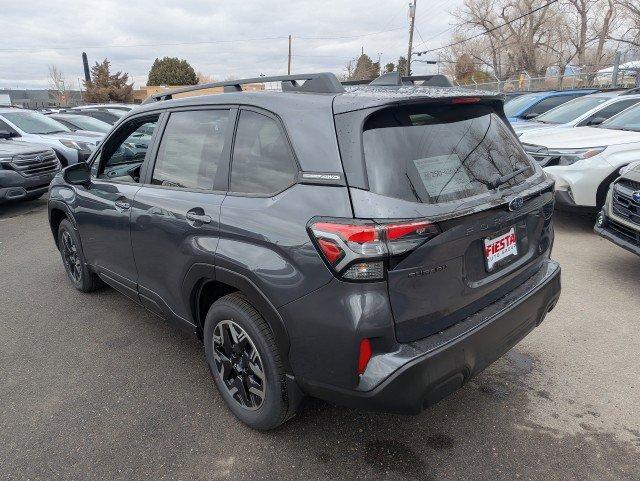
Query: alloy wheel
71, 258
239, 364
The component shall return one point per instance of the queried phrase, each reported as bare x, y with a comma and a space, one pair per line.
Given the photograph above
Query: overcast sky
241, 38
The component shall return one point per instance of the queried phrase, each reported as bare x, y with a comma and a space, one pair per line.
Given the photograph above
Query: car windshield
84, 122
626, 120
571, 110
441, 154
35, 122
513, 107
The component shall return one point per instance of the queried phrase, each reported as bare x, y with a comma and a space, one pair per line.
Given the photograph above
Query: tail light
358, 250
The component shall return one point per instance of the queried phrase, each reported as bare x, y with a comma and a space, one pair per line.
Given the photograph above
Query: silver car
30, 126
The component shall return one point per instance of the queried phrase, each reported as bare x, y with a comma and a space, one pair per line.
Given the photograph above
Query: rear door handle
122, 205
199, 218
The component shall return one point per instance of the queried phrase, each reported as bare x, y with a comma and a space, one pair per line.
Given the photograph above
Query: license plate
500, 248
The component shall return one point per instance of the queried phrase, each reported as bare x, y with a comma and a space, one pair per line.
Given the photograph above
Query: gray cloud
250, 35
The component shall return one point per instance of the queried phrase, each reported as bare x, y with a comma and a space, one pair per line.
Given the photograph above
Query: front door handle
122, 205
195, 216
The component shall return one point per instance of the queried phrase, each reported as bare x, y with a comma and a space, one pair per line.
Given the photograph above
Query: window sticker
442, 174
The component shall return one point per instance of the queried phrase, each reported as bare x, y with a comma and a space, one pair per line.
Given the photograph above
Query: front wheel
74, 263
245, 363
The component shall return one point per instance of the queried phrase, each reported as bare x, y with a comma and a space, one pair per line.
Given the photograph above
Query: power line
490, 30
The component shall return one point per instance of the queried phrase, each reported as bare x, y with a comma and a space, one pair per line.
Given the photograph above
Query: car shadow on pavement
571, 222
17, 208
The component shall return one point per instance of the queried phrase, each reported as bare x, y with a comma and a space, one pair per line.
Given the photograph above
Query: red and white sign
500, 248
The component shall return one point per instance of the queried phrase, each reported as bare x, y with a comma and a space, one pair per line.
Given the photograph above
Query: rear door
441, 163
176, 213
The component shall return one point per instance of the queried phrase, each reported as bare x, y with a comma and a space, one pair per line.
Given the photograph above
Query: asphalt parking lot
94, 387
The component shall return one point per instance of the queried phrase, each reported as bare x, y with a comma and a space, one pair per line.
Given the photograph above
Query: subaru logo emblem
636, 197
516, 203
38, 158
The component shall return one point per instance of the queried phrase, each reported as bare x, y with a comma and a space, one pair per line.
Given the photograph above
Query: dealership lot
93, 386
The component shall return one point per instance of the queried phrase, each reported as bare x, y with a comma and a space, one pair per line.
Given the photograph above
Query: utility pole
289, 62
616, 68
412, 17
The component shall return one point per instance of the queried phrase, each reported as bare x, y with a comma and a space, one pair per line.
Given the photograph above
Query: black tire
73, 259
273, 409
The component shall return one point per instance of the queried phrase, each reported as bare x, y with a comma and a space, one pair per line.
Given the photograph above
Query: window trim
614, 101
97, 155
282, 127
218, 186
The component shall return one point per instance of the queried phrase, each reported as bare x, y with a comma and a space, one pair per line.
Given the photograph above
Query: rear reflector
364, 356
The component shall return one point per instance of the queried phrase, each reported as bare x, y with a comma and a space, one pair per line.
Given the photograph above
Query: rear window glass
440, 154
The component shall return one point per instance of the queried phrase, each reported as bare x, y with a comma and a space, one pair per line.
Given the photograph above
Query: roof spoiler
394, 79
324, 82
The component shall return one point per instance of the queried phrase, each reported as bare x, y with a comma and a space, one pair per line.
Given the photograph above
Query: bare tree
630, 33
57, 85
204, 78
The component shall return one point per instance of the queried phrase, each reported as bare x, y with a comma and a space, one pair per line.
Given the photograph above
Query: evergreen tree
172, 71
107, 87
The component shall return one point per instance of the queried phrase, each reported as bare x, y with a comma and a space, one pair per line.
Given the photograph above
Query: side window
262, 160
609, 111
125, 151
6, 126
191, 149
549, 103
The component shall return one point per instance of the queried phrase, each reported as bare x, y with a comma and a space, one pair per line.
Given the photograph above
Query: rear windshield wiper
507, 177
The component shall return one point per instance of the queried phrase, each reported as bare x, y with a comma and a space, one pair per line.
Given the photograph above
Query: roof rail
393, 79
324, 82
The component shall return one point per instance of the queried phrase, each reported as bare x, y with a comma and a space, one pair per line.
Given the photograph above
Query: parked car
115, 109
584, 161
529, 106
619, 220
584, 111
25, 169
30, 126
102, 115
319, 241
82, 123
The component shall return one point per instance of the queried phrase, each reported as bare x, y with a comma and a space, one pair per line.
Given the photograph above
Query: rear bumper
423, 372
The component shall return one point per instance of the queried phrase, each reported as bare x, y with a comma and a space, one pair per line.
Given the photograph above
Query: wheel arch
205, 283
603, 188
58, 211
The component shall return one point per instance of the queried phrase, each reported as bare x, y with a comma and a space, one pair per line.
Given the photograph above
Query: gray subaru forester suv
374, 247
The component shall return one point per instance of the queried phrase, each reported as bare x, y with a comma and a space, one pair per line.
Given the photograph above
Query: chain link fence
625, 79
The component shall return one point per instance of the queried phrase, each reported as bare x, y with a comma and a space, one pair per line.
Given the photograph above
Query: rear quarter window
433, 154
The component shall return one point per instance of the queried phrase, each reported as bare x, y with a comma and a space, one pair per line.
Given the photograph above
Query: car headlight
77, 145
571, 156
630, 167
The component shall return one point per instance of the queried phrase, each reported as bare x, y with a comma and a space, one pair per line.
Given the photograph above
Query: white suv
584, 161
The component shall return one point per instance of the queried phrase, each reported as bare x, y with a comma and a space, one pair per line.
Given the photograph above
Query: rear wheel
74, 263
245, 362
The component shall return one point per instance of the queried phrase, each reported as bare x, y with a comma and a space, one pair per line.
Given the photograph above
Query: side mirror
6, 135
77, 174
530, 115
